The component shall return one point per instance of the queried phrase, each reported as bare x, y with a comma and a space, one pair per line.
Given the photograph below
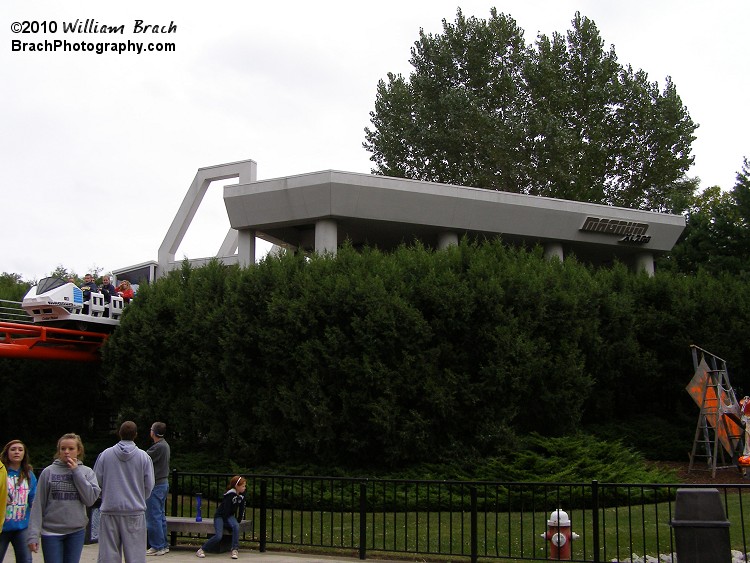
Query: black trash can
701, 530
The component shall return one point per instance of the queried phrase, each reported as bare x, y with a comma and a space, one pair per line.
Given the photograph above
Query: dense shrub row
41, 400
370, 359
547, 462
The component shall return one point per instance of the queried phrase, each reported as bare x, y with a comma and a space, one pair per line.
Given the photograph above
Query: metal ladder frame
707, 435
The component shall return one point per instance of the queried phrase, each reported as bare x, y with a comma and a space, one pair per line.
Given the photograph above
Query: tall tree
12, 287
462, 106
571, 83
741, 195
717, 235
562, 118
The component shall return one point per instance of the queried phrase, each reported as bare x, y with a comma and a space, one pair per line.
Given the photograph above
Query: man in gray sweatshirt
126, 475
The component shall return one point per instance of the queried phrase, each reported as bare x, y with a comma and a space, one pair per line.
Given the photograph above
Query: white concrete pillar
644, 262
326, 236
245, 247
553, 250
446, 239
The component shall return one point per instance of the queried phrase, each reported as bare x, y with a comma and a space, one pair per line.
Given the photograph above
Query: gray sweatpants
122, 535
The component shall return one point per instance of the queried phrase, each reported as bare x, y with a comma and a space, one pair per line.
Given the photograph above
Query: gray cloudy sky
97, 151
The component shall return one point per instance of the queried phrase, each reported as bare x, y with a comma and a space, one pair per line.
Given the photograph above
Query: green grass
445, 536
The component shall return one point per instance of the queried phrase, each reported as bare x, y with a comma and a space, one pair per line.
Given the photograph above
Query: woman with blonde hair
125, 290
58, 514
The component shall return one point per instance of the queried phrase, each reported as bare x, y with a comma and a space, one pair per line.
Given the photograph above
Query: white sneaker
151, 551
200, 553
235, 554
163, 551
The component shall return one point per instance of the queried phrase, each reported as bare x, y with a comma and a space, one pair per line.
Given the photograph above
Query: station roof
384, 212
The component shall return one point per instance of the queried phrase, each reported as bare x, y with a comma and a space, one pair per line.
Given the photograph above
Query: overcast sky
97, 151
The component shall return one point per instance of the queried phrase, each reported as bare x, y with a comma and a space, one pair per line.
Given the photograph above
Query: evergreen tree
717, 233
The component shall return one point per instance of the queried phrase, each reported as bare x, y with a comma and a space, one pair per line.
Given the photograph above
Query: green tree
62, 272
717, 233
741, 196
460, 110
560, 119
12, 286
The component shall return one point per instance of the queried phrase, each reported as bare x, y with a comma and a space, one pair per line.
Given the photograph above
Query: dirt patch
701, 476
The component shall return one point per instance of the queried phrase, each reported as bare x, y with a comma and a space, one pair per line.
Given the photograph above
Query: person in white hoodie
126, 476
58, 513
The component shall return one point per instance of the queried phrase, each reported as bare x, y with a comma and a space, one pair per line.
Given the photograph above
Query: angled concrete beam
231, 241
245, 170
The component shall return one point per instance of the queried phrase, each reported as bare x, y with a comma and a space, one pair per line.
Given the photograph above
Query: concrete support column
326, 236
644, 262
553, 250
446, 239
245, 247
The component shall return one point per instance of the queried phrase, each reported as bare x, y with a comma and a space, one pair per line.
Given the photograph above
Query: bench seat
188, 525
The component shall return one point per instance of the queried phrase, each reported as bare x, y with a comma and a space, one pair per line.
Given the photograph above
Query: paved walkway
185, 555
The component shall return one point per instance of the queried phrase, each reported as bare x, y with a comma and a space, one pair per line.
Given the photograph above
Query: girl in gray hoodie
58, 514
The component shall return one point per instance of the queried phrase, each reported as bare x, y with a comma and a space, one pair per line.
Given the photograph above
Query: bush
381, 361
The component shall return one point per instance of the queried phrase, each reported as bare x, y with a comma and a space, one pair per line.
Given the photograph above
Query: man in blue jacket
107, 289
88, 286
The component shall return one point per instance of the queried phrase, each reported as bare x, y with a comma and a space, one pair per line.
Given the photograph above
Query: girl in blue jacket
230, 513
21, 491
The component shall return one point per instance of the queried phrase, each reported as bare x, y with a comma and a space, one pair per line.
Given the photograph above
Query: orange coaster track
48, 343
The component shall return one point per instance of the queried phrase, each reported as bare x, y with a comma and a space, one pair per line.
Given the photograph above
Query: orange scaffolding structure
48, 343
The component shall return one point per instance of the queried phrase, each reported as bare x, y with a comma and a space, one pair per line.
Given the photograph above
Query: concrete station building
317, 212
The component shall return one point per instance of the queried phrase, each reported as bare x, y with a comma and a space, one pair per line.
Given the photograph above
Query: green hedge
369, 359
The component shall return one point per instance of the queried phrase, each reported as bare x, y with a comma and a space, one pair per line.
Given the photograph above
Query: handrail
11, 311
707, 352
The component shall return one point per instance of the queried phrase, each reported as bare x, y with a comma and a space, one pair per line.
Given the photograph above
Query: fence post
173, 487
473, 531
362, 521
595, 518
263, 508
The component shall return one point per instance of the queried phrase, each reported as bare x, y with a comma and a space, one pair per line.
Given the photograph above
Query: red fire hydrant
559, 535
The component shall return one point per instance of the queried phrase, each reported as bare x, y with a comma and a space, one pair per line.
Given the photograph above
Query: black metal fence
471, 520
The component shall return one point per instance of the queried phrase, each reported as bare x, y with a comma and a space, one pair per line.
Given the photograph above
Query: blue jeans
20, 545
219, 524
156, 517
63, 549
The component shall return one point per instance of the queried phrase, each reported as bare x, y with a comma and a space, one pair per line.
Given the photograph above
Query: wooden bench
188, 525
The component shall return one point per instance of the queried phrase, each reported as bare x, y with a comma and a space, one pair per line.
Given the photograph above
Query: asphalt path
187, 555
